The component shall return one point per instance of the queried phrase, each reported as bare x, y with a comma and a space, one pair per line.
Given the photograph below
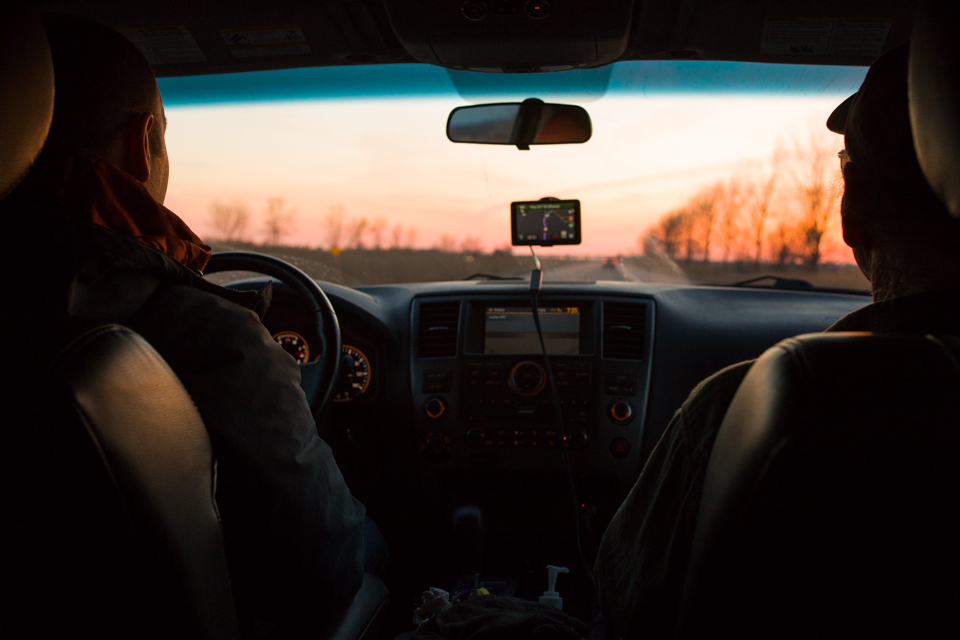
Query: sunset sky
388, 157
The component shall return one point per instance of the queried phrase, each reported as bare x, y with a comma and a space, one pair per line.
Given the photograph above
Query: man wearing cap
904, 242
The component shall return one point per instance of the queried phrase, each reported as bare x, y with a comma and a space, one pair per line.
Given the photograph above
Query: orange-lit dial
294, 344
354, 374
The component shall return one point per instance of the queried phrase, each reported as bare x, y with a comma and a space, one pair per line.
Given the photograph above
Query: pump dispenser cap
550, 596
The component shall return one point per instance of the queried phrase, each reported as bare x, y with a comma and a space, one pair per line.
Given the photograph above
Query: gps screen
511, 331
545, 223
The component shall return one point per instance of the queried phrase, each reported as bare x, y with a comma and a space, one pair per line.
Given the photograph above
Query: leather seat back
109, 484
26, 92
934, 84
831, 502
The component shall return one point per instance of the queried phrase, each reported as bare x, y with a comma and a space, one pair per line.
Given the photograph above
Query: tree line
232, 222
778, 212
343, 232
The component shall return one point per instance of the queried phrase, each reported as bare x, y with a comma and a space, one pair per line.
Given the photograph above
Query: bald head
107, 100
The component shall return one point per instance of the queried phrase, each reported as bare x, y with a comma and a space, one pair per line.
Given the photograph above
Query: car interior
828, 507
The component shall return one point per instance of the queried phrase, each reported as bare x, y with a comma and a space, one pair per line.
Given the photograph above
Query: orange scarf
98, 192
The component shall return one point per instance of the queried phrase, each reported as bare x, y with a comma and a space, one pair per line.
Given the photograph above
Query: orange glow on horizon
391, 160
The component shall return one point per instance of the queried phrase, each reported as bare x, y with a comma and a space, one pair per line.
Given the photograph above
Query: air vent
623, 330
438, 329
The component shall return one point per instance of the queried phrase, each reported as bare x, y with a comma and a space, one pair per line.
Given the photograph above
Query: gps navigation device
545, 223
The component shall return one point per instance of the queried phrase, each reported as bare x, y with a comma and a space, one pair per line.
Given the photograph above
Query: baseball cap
875, 123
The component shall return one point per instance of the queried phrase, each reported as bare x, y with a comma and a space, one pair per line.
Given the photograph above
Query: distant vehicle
610, 263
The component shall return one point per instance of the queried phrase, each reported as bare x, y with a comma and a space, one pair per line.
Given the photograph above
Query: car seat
111, 524
831, 502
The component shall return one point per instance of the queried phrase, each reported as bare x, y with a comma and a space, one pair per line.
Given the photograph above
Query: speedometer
354, 375
294, 344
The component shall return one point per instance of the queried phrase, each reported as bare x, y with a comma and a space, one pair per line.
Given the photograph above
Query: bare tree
816, 181
447, 243
356, 229
684, 231
396, 236
471, 244
705, 209
668, 235
730, 207
230, 221
333, 221
377, 228
278, 222
411, 237
783, 242
758, 200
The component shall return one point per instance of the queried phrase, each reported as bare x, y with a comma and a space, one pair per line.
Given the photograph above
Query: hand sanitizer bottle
550, 596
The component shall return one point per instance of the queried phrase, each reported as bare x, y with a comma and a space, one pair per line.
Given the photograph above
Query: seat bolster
752, 427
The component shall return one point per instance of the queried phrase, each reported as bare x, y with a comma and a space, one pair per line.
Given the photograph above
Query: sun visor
513, 36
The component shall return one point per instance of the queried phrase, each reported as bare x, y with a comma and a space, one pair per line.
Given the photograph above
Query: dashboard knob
434, 408
527, 378
621, 412
578, 439
436, 446
475, 437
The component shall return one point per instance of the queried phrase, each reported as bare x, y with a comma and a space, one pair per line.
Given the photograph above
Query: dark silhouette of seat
831, 503
109, 499
111, 527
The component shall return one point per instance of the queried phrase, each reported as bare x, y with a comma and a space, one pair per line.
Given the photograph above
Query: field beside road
356, 267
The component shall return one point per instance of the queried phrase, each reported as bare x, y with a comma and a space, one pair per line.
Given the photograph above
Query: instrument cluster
355, 370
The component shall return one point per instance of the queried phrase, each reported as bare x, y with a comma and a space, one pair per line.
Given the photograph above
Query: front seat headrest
934, 81
26, 93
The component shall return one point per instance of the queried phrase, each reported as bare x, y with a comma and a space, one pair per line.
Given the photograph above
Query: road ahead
591, 270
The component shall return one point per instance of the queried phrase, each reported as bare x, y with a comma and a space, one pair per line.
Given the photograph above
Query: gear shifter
467, 546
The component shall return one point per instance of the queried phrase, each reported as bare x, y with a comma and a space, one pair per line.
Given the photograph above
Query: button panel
521, 437
620, 384
437, 381
488, 396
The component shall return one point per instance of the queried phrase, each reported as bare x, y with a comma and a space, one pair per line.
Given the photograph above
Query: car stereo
481, 387
503, 376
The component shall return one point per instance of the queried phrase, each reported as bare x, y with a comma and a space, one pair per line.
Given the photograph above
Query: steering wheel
317, 378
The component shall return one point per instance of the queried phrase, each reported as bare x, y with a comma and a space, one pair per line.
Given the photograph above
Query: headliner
352, 32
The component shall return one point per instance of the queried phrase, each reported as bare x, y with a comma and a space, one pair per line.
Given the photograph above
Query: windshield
699, 172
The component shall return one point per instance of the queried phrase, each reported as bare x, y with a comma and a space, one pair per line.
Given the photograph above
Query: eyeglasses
844, 159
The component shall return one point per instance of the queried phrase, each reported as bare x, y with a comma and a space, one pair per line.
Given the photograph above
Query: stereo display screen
511, 331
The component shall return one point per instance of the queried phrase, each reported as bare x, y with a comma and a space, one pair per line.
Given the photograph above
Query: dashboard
445, 400
466, 361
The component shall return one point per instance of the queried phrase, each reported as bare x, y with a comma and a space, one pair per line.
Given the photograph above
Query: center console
481, 388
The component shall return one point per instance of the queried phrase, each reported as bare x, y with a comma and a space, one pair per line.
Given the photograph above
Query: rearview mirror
520, 123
